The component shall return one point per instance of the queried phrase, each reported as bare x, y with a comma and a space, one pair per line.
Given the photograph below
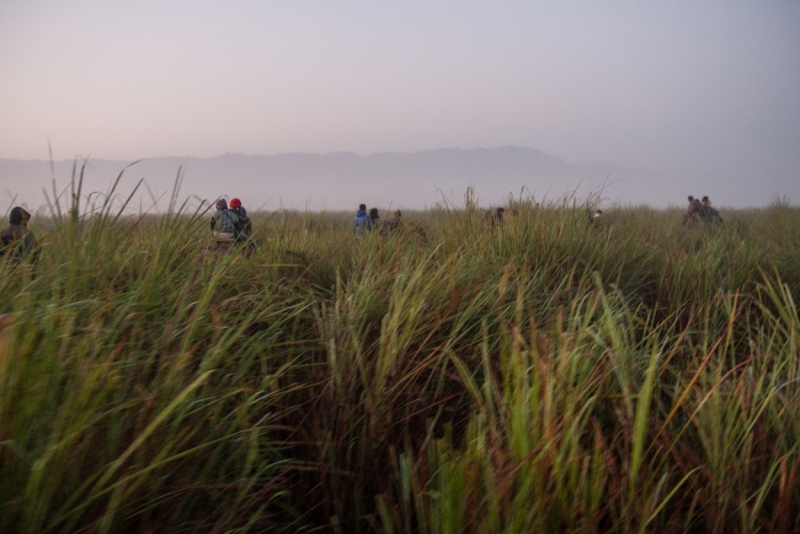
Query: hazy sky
703, 92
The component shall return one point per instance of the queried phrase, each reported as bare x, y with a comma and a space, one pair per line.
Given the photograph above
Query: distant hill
342, 180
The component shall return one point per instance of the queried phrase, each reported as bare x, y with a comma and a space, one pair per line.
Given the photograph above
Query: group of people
231, 224
700, 211
16, 240
228, 225
366, 222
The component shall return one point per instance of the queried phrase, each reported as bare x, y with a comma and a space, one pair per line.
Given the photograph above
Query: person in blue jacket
362, 221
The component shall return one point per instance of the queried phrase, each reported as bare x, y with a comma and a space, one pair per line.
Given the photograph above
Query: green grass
539, 376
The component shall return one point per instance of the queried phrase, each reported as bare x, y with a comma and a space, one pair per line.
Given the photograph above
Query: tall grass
539, 375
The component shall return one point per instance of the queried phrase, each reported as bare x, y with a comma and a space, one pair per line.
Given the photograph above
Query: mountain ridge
341, 180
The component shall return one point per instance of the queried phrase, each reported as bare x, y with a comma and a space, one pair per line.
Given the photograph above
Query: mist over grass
459, 376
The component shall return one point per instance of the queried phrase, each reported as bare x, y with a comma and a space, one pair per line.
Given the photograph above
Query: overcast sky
702, 92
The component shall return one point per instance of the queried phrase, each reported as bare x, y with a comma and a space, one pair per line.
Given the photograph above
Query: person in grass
497, 217
377, 223
243, 226
396, 223
693, 210
362, 220
236, 205
707, 213
16, 240
595, 218
223, 223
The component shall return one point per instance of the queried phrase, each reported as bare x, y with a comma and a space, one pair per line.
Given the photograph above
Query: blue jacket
223, 223
363, 222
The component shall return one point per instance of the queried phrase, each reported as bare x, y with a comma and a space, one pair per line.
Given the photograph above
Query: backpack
241, 223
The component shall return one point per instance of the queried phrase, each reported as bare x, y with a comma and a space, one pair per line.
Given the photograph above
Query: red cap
236, 203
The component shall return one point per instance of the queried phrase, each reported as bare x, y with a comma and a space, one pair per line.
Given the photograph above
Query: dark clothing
243, 225
17, 241
392, 225
693, 212
698, 212
709, 214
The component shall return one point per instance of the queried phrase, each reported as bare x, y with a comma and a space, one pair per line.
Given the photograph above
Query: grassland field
543, 375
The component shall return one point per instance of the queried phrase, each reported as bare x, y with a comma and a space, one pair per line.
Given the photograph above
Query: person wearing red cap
243, 225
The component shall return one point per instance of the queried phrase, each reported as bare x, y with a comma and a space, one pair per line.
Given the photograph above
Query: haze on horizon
705, 94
